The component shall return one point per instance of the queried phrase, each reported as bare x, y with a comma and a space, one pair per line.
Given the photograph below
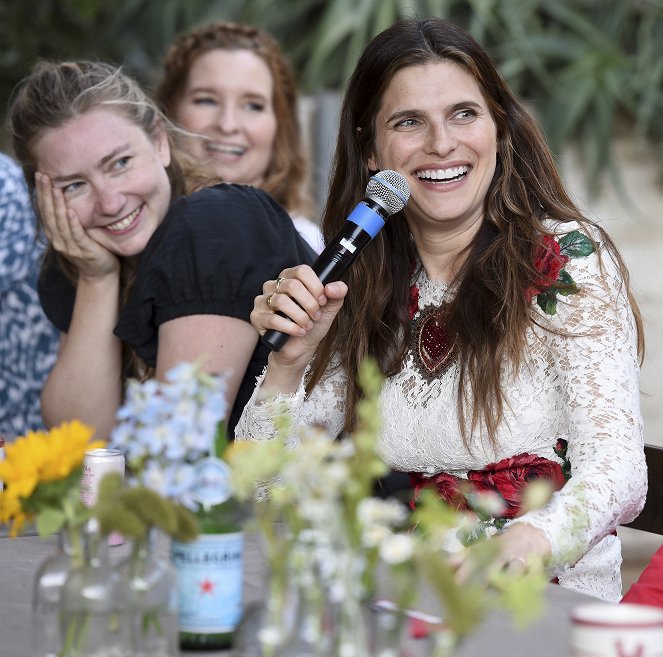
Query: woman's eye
407, 123
122, 163
204, 100
71, 187
465, 114
255, 106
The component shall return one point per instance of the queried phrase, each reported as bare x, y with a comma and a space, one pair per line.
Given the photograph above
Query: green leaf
565, 284
114, 518
464, 604
548, 301
109, 486
187, 525
49, 521
522, 595
153, 509
576, 245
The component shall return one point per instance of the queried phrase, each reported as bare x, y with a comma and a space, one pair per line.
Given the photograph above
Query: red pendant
433, 352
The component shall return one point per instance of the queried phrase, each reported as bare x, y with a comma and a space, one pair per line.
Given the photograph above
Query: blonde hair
55, 93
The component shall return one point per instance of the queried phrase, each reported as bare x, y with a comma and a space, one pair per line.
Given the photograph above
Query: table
20, 558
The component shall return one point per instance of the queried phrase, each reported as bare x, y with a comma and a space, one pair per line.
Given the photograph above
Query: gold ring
279, 280
269, 301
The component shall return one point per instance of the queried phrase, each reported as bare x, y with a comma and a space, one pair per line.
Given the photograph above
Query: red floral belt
507, 478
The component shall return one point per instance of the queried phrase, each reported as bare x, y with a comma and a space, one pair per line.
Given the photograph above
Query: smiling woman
141, 272
434, 122
500, 317
232, 85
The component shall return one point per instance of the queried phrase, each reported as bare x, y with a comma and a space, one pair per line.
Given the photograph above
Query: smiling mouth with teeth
123, 224
224, 150
443, 175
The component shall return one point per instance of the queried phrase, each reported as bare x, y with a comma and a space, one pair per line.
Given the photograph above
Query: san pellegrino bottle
209, 569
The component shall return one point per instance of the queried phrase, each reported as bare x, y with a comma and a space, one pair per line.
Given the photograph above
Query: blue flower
164, 427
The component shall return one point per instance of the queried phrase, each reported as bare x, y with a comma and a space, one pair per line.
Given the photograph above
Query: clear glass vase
93, 620
148, 589
305, 630
386, 631
349, 633
47, 592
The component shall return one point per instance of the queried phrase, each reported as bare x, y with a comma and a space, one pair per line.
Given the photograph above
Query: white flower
397, 548
373, 535
489, 502
386, 512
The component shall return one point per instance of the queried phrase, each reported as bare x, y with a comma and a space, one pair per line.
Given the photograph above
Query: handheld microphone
387, 193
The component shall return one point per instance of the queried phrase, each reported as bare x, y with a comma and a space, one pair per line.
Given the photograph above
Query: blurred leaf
49, 521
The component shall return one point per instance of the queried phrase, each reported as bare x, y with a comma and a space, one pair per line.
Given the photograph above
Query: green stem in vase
137, 573
76, 543
76, 628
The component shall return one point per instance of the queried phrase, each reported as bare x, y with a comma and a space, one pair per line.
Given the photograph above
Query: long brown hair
286, 175
489, 314
54, 93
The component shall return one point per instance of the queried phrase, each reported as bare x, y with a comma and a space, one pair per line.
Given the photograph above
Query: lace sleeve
323, 407
598, 374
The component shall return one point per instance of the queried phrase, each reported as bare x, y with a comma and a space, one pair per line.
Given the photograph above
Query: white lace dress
583, 389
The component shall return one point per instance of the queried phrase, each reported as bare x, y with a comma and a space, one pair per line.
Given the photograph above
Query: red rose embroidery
509, 477
549, 262
413, 302
447, 487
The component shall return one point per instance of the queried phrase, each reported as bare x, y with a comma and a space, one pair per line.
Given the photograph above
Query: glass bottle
386, 628
47, 592
149, 591
93, 620
209, 569
349, 627
308, 634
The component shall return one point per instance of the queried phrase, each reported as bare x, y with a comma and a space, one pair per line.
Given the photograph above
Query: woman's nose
110, 201
227, 120
441, 139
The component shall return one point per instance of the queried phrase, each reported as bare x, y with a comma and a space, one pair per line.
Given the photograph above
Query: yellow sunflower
40, 457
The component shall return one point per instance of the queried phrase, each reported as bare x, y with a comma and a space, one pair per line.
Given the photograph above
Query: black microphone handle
330, 265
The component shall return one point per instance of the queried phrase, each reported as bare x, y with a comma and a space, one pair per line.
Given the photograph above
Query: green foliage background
590, 69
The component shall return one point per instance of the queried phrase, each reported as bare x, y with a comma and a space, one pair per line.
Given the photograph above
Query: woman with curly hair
231, 85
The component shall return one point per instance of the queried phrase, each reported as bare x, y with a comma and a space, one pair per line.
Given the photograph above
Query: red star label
206, 586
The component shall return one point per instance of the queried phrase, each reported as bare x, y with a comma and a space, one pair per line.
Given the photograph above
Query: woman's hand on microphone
304, 309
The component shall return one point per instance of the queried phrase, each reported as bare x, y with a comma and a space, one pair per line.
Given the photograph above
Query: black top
210, 255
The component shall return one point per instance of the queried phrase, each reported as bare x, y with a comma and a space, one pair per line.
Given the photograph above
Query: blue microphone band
367, 219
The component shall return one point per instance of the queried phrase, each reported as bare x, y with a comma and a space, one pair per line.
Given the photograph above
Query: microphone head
389, 189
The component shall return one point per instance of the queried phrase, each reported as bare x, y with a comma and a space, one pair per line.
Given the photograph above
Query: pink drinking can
96, 464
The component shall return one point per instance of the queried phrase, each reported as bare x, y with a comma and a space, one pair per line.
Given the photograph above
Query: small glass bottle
149, 594
386, 627
209, 569
307, 635
47, 593
93, 620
